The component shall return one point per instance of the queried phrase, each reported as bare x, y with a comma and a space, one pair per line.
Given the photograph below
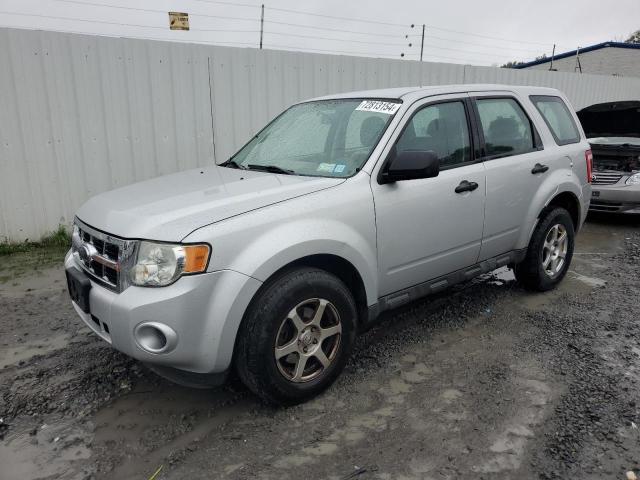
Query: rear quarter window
558, 118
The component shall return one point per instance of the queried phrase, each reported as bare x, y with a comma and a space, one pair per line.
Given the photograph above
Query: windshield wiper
233, 164
271, 168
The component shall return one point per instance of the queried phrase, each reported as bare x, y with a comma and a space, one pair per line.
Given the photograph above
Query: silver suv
342, 207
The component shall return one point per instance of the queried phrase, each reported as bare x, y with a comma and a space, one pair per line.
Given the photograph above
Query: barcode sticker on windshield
379, 106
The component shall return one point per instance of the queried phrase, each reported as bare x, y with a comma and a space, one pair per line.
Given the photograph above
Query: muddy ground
486, 381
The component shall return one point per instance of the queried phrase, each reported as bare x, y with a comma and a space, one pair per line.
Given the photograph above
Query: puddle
591, 281
49, 279
52, 452
147, 408
152, 422
13, 355
501, 276
504, 274
574, 282
30, 267
598, 239
129, 438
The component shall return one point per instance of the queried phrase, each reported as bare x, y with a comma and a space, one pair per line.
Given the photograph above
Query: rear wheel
549, 253
296, 336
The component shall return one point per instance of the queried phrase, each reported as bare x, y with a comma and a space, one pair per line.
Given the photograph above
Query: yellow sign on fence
178, 21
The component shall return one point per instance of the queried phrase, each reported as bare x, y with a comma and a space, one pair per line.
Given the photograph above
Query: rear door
516, 163
430, 227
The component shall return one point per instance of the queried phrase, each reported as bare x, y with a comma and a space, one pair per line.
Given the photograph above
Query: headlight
161, 264
633, 179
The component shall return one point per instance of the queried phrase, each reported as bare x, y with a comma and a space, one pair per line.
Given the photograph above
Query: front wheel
296, 336
549, 253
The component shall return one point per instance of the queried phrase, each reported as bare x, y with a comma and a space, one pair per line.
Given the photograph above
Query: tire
282, 339
539, 270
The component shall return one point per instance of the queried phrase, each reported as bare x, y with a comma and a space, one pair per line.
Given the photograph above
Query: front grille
102, 256
606, 178
111, 251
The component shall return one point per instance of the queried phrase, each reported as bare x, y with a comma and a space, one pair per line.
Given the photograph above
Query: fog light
154, 337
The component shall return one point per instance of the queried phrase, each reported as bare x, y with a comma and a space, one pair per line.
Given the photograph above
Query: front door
430, 227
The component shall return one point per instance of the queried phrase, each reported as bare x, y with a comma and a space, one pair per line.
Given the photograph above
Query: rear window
558, 119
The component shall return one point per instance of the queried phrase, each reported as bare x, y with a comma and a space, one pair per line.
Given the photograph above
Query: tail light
588, 156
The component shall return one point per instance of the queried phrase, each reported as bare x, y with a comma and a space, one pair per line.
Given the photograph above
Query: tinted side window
507, 129
558, 119
441, 128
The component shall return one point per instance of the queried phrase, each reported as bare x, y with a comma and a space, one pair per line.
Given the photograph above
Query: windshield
328, 138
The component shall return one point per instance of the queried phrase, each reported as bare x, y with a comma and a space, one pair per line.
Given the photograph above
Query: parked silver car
342, 207
613, 130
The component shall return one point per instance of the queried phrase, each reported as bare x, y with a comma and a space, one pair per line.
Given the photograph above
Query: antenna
553, 54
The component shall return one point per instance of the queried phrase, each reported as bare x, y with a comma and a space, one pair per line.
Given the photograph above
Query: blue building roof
572, 53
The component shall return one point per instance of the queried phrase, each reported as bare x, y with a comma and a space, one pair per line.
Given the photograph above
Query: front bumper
204, 311
618, 198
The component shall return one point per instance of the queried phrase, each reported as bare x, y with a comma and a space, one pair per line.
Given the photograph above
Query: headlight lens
161, 264
634, 179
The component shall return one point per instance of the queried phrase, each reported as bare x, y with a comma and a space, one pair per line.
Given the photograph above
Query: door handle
466, 186
539, 168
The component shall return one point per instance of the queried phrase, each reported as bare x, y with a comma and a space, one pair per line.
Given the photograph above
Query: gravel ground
485, 381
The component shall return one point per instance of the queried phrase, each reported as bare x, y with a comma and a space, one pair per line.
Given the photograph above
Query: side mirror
411, 165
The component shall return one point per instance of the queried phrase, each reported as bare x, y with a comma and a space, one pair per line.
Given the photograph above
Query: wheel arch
569, 201
334, 264
555, 192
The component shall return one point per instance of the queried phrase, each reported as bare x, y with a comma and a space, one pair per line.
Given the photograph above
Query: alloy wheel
554, 250
308, 340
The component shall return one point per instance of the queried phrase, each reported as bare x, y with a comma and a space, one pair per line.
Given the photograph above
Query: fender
261, 242
560, 181
296, 240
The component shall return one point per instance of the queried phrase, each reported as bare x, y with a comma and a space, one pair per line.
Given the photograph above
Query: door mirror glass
411, 165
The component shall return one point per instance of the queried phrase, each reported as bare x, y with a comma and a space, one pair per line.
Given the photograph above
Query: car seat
370, 130
504, 136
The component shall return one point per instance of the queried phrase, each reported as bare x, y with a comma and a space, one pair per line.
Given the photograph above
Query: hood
614, 119
615, 141
170, 207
